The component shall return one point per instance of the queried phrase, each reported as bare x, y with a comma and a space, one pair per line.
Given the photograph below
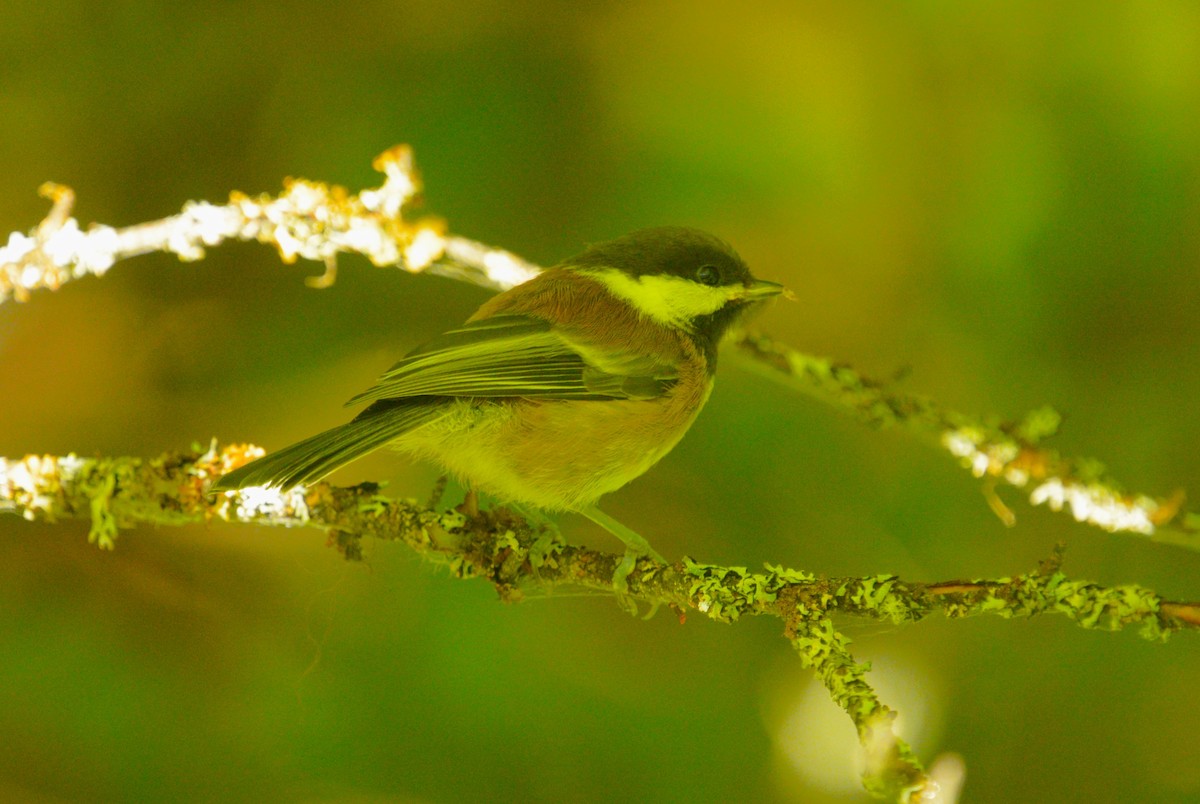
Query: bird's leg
470, 504
535, 518
439, 488
635, 547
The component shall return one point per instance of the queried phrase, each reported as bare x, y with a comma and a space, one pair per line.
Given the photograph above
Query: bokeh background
1000, 199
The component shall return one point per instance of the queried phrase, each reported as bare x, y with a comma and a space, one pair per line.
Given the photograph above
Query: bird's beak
762, 289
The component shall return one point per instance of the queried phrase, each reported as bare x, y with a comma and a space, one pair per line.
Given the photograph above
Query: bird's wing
520, 356
502, 356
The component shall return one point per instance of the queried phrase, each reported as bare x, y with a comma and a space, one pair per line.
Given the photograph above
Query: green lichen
714, 588
103, 531
1039, 424
725, 593
452, 520
788, 576
1111, 608
375, 505
892, 770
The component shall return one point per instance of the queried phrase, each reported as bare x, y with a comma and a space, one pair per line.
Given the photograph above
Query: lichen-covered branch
308, 219
318, 221
998, 452
115, 493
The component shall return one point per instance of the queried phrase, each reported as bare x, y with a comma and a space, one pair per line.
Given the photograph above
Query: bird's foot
620, 581
636, 547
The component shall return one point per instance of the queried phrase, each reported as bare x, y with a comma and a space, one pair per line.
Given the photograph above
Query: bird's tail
311, 459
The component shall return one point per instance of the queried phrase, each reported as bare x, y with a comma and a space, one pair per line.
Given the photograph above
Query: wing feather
501, 356
521, 356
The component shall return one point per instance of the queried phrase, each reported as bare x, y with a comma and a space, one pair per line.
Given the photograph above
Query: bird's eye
708, 275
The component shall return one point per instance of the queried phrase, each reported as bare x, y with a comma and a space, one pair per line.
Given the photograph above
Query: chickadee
559, 390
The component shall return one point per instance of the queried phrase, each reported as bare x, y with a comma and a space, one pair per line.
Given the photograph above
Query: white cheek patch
670, 300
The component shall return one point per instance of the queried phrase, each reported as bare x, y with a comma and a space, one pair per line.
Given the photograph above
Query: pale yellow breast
556, 455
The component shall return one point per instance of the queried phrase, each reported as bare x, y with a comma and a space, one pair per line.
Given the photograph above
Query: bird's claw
620, 579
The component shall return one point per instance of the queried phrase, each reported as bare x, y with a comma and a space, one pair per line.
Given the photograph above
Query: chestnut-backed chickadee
559, 390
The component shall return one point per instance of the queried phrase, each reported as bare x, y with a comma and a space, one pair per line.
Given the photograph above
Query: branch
318, 221
498, 546
997, 451
308, 219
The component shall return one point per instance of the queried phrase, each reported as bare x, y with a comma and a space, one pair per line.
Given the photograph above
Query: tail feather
310, 460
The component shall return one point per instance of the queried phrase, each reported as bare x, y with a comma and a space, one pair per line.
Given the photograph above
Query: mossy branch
998, 451
318, 221
115, 493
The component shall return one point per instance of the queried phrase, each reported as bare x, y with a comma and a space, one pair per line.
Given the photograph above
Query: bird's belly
554, 455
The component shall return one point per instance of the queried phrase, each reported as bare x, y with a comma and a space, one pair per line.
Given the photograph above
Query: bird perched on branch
559, 390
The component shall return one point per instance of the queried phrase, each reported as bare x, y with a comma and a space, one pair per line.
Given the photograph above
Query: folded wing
502, 356
519, 356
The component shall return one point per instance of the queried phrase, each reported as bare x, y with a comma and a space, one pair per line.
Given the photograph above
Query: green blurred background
1003, 198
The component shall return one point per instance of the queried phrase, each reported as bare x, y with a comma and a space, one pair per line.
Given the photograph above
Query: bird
559, 390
